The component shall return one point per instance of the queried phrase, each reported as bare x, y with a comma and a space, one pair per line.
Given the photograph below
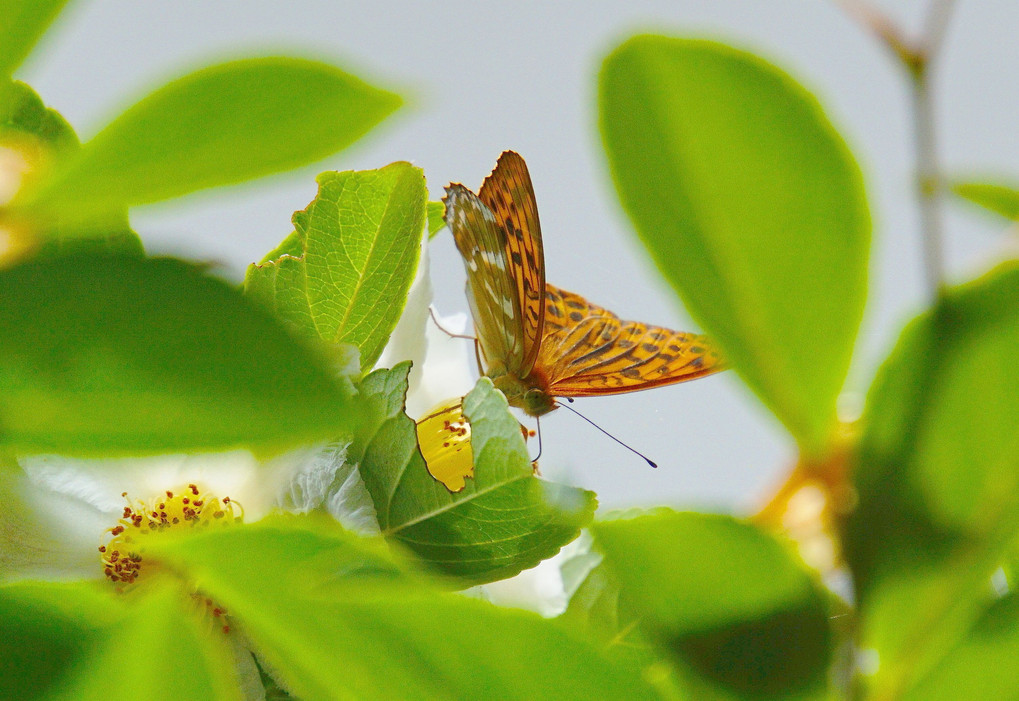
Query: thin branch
936, 26
918, 58
929, 181
882, 27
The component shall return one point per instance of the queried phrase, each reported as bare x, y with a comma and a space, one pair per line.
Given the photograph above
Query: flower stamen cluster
121, 555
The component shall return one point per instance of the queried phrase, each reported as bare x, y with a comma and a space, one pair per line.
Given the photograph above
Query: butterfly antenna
648, 460
443, 329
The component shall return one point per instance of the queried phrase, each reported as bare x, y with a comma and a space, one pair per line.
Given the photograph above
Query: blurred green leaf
78, 640
1000, 199
22, 22
936, 477
46, 632
729, 604
107, 355
436, 221
599, 609
752, 207
982, 665
22, 113
44, 139
505, 520
221, 125
309, 595
344, 273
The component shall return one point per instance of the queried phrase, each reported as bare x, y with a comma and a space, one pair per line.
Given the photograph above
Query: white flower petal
45, 535
352, 505
328, 481
407, 342
539, 589
441, 364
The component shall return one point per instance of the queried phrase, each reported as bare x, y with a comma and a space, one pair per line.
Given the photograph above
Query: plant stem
917, 58
929, 182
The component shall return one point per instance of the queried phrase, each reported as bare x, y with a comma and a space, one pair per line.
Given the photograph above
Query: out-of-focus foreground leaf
938, 481
307, 594
39, 139
220, 125
752, 207
22, 22
344, 273
106, 355
738, 614
503, 521
76, 641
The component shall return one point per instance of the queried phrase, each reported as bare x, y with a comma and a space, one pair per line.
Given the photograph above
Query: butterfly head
537, 402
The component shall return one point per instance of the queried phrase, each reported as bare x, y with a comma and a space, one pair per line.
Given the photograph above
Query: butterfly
535, 341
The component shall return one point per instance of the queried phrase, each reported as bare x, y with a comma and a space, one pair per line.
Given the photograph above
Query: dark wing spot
554, 310
518, 233
574, 304
576, 316
697, 362
658, 335
517, 260
625, 344
696, 349
631, 373
674, 348
650, 347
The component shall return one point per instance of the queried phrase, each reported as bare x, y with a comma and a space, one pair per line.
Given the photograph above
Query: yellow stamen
121, 554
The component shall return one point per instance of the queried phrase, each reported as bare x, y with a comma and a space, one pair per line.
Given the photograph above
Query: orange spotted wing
547, 339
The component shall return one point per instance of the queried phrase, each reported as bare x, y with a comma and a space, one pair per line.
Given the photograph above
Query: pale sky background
483, 77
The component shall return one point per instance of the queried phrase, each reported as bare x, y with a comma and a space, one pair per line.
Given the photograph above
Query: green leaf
22, 22
23, 114
44, 139
505, 520
333, 617
344, 274
48, 630
76, 641
982, 665
752, 207
599, 609
936, 478
107, 355
728, 603
436, 220
221, 125
1000, 199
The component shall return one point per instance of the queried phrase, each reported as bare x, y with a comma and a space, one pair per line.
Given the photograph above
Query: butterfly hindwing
491, 288
587, 350
509, 194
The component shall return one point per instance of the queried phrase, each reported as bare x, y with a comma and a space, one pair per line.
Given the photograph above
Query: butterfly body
524, 394
536, 341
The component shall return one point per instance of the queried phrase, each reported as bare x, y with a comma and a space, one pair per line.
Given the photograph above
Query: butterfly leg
435, 320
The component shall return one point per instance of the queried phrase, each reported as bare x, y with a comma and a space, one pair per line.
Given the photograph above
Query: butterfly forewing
587, 350
509, 194
491, 288
545, 338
